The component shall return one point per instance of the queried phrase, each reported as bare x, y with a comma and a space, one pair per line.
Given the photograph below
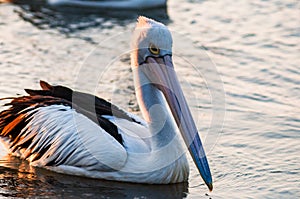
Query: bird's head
150, 39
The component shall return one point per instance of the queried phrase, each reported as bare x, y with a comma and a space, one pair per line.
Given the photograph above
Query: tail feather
45, 85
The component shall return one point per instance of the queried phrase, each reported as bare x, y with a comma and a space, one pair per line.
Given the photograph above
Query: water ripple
255, 46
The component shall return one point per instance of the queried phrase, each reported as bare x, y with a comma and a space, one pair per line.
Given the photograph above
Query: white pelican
111, 4
80, 134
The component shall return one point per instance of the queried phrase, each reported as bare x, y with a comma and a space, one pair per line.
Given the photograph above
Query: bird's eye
153, 49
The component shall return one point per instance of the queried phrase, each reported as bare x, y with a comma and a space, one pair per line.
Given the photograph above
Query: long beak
161, 73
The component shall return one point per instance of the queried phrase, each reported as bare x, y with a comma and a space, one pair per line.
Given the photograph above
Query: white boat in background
115, 4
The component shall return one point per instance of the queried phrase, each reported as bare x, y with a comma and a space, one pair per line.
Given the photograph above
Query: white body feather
97, 154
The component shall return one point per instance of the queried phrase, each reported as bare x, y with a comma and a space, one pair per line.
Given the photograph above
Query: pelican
115, 4
80, 134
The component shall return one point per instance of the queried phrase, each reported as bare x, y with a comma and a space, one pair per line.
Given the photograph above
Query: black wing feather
14, 119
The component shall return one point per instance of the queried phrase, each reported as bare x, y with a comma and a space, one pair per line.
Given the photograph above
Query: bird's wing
56, 126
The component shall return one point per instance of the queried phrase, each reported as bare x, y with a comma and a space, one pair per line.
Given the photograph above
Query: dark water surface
254, 47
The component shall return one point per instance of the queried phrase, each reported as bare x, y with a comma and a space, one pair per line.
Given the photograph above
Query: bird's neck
156, 112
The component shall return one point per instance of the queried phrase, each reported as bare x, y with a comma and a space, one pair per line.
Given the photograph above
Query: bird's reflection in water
19, 179
67, 19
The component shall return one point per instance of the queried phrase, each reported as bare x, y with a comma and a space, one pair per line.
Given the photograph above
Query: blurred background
253, 46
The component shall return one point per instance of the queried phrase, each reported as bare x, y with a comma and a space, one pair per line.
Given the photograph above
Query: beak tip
210, 186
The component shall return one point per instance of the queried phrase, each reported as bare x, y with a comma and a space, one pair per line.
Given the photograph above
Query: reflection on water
71, 19
19, 179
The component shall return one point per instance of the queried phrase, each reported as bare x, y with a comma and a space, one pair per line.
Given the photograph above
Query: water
255, 46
